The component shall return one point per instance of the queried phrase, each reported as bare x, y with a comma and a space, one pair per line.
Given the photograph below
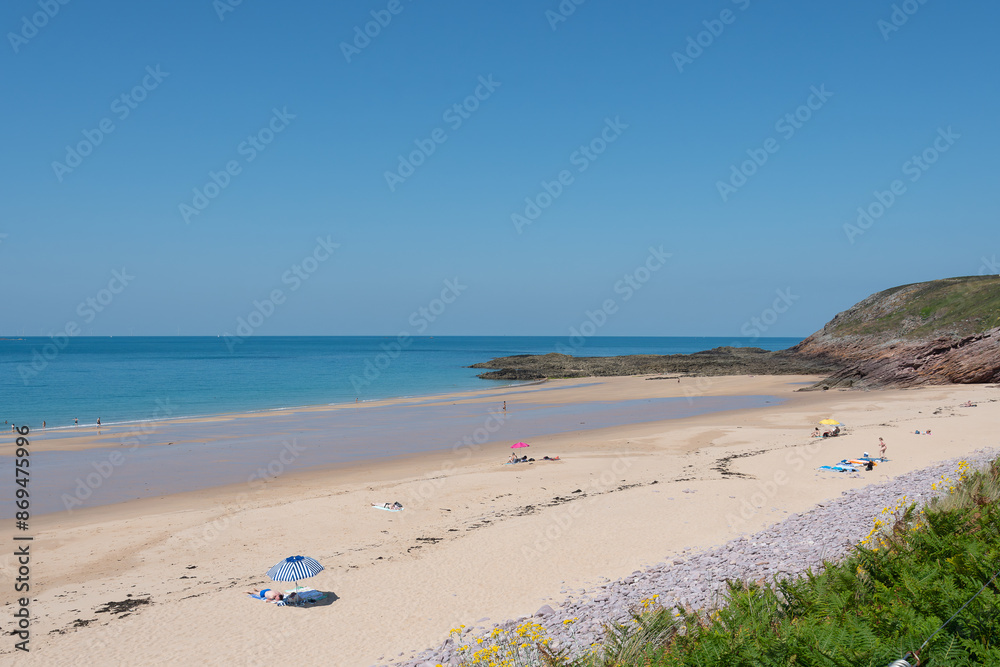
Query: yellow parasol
829, 422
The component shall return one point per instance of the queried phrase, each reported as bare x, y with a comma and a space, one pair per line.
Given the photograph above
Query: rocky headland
937, 332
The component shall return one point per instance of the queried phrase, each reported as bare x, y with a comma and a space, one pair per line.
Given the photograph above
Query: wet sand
75, 468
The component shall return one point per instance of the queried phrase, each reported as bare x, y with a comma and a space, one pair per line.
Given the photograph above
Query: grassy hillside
953, 306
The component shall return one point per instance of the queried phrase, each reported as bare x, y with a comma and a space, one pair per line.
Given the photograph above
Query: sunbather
267, 594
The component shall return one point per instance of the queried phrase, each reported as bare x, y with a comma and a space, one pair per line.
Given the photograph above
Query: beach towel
839, 468
260, 596
387, 509
301, 597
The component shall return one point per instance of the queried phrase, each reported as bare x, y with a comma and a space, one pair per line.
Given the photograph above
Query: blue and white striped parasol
294, 568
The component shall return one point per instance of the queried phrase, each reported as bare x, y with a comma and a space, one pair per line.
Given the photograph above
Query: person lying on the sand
267, 594
548, 458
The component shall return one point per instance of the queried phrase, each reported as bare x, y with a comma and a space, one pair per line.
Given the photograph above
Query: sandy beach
477, 540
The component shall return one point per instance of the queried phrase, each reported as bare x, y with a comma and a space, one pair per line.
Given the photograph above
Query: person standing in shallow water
98, 421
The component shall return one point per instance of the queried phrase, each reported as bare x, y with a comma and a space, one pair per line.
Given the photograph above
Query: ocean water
126, 379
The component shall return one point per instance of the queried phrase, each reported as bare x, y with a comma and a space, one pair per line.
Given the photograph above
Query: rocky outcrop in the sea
939, 332
718, 361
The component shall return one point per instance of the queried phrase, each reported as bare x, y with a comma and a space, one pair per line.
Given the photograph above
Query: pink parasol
519, 444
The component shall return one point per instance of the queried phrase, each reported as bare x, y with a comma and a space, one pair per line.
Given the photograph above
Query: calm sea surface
124, 379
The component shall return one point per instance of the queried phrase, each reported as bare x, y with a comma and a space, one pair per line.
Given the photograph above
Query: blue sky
209, 85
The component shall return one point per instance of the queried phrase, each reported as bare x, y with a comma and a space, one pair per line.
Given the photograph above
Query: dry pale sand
477, 540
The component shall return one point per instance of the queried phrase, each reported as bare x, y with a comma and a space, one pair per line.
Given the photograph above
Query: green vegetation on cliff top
953, 306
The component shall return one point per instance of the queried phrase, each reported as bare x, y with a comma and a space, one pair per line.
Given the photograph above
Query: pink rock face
938, 332
943, 360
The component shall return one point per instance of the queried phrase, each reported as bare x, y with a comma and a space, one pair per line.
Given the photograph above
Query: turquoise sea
126, 379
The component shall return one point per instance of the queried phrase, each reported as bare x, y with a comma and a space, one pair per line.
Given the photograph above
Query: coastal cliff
937, 332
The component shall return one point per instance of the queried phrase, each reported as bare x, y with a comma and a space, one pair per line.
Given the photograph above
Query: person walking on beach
98, 421
881, 447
